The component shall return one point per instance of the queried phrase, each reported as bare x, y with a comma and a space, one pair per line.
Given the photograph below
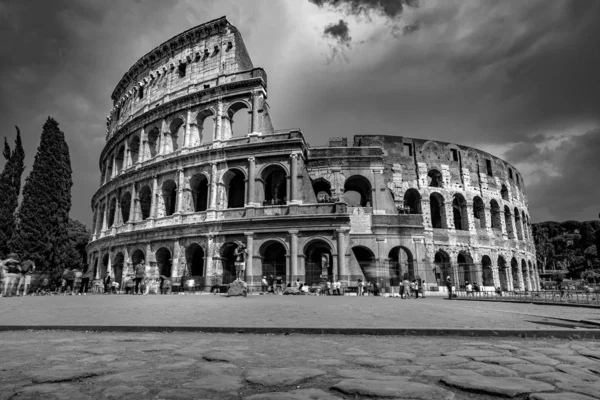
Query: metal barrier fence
543, 296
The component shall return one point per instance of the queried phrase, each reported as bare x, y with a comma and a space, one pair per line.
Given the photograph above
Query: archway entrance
367, 263
235, 188
137, 257
273, 260
357, 191
228, 262
514, 268
104, 268
164, 262
319, 261
488, 274
466, 269
118, 269
275, 186
401, 265
199, 188
503, 273
442, 268
194, 256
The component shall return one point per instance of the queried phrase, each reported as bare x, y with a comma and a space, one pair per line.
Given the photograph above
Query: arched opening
109, 168
112, 211
120, 160
238, 121
177, 134
525, 226
322, 190
487, 272
532, 276
508, 223
137, 257
466, 269
169, 192
438, 211
118, 269
479, 212
125, 206
273, 260
434, 178
153, 142
199, 188
275, 182
412, 201
525, 273
318, 262
145, 202
514, 267
495, 211
194, 256
357, 191
504, 193
401, 265
134, 150
206, 128
228, 258
366, 261
104, 268
164, 261
518, 225
459, 213
101, 222
503, 273
442, 268
235, 188
95, 268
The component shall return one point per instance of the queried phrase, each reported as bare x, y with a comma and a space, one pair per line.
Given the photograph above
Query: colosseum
193, 168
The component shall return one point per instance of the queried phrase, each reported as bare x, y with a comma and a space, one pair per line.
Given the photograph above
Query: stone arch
438, 211
322, 189
479, 212
459, 212
169, 194
134, 149
514, 267
176, 135
401, 265
194, 257
504, 192
508, 223
532, 276
125, 206
443, 267
357, 191
154, 142
199, 187
137, 256
274, 179
273, 256
503, 273
120, 160
145, 202
495, 214
109, 168
117, 267
227, 253
205, 131
466, 268
525, 226
518, 225
101, 209
104, 266
525, 273
164, 261
112, 212
239, 127
412, 201
366, 260
318, 255
435, 179
486, 271
234, 188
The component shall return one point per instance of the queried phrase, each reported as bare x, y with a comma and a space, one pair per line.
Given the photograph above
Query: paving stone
444, 360
147, 348
559, 396
501, 386
477, 344
132, 376
121, 391
354, 352
489, 369
217, 368
531, 368
191, 351
472, 353
181, 394
180, 364
507, 347
363, 374
328, 361
434, 373
581, 360
98, 359
61, 374
128, 364
397, 355
578, 372
49, 391
541, 360
551, 377
227, 356
589, 353
553, 351
299, 394
217, 383
373, 361
398, 389
402, 370
281, 376
587, 388
502, 360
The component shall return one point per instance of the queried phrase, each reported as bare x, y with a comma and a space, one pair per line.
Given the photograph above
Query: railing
543, 296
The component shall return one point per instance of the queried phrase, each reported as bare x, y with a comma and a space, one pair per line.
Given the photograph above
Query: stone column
255, 106
471, 218
293, 178
251, 180
109, 266
487, 217
341, 250
503, 226
175, 267
213, 186
218, 122
186, 133
105, 216
250, 256
133, 205
163, 137
153, 206
209, 270
126, 156
118, 212
294, 254
143, 145
114, 166
180, 191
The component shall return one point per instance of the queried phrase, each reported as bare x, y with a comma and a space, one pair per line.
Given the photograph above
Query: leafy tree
79, 236
543, 247
10, 187
43, 230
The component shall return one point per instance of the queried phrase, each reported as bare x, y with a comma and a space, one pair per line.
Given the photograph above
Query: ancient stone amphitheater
193, 168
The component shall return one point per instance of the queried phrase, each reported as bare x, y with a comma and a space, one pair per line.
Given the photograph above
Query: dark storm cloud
388, 8
339, 32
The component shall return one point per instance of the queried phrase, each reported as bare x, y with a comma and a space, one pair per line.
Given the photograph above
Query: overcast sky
517, 78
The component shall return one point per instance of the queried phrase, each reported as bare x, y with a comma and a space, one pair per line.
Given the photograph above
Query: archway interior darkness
488, 274
514, 267
466, 269
163, 261
518, 224
366, 261
401, 265
442, 268
459, 213
273, 260
322, 190
109, 168
134, 150
104, 267
95, 268
508, 223
504, 193
479, 212
525, 273
495, 211
194, 256
125, 206
119, 160
503, 273
153, 142
169, 190
318, 260
275, 186
199, 187
228, 262
235, 188
118, 269
112, 210
206, 128
145, 202
435, 178
137, 257
412, 201
438, 211
357, 191
177, 134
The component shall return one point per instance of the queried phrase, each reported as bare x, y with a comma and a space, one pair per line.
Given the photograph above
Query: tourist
264, 285
406, 285
11, 269
140, 274
476, 287
423, 289
107, 281
279, 284
469, 288
85, 281
69, 277
370, 288
401, 289
449, 287
27, 269
44, 288
337, 287
360, 286
328, 288
415, 286
271, 284
297, 283
498, 290
129, 285
375, 288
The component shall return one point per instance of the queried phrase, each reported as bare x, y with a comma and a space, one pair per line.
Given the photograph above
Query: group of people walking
16, 274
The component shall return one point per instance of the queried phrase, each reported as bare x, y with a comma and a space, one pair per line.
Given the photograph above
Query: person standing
415, 286
26, 271
10, 270
69, 277
360, 285
469, 288
279, 284
107, 281
85, 281
140, 274
406, 285
423, 289
264, 285
449, 287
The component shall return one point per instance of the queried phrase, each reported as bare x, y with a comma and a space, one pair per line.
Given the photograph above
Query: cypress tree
10, 186
42, 234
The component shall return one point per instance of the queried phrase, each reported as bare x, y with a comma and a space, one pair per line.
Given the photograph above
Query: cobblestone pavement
82, 365
284, 311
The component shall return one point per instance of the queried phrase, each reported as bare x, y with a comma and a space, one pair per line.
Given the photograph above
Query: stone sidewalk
79, 366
